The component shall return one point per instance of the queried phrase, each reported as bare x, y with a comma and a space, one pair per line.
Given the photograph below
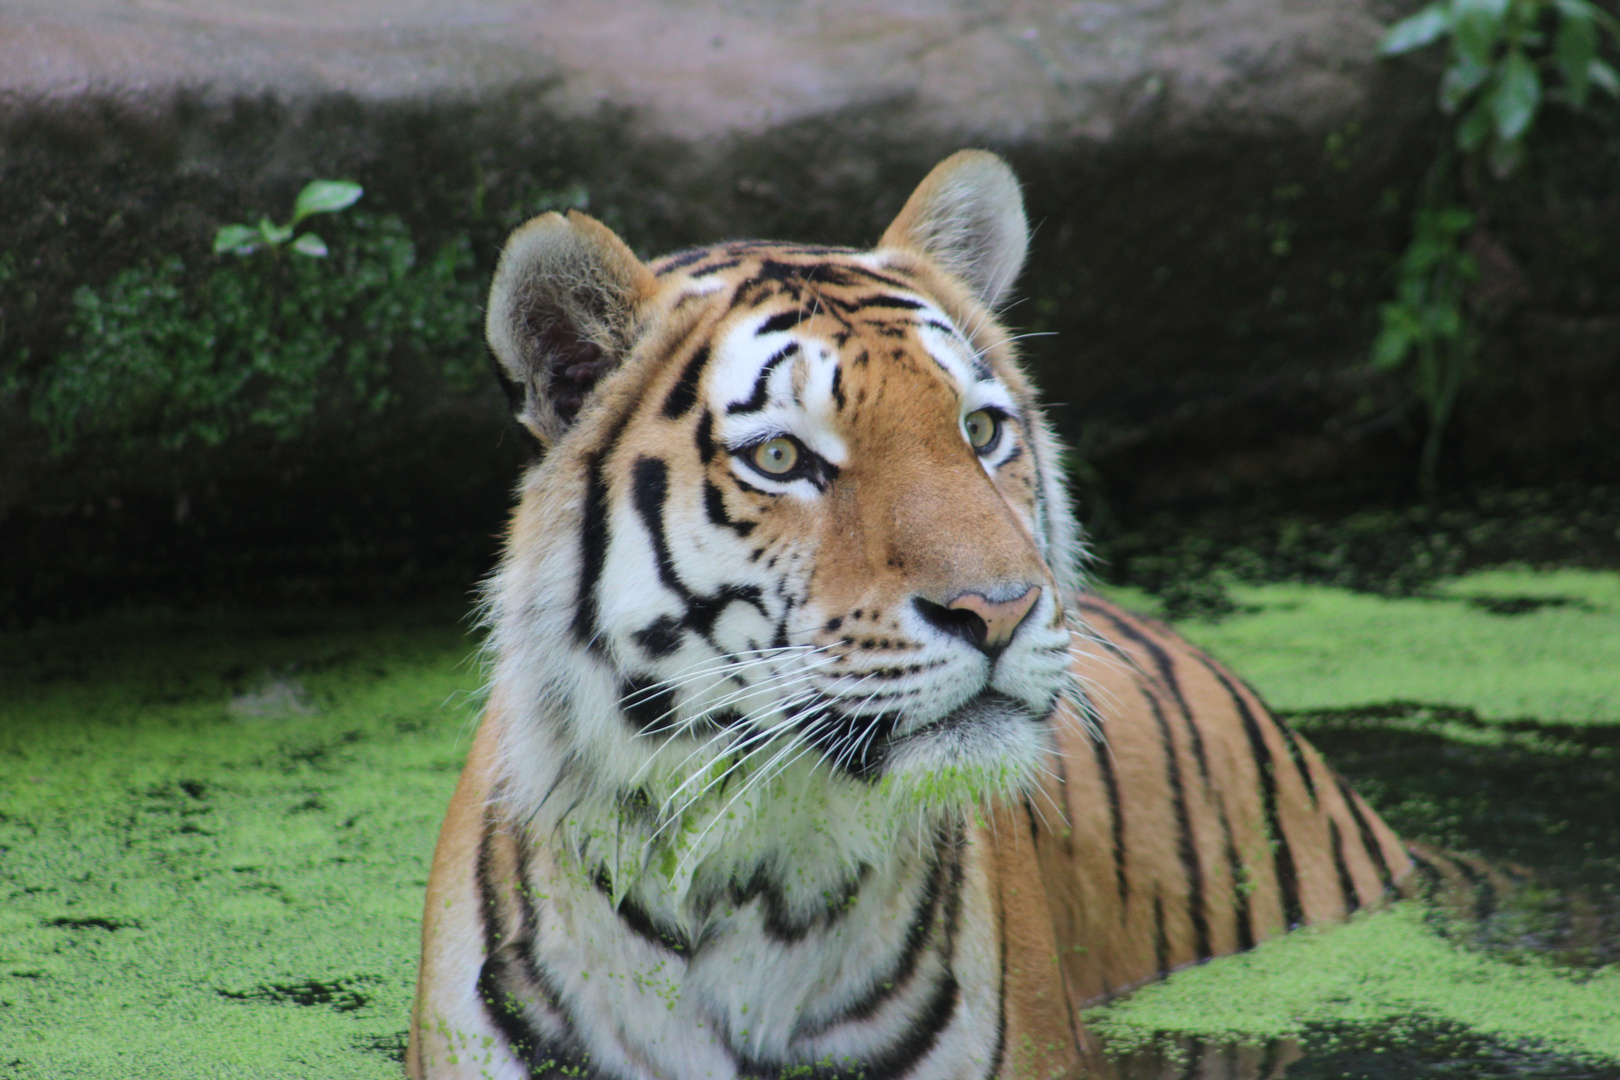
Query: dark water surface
1533, 811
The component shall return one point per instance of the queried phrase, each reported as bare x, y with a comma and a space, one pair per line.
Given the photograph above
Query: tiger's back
806, 750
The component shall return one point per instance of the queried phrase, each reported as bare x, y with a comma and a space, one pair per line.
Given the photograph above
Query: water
1534, 809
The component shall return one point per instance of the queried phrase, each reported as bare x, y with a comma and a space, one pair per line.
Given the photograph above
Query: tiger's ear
561, 314
968, 217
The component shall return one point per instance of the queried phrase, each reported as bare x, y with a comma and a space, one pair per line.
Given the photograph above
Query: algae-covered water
215, 833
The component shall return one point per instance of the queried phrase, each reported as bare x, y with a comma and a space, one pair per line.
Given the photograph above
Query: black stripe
714, 505
1484, 891
917, 1039
1195, 1059
756, 401
593, 533
785, 320
776, 915
683, 395
509, 978
593, 543
638, 920
941, 1006
705, 437
1347, 886
1369, 842
883, 301
873, 275
1161, 943
1167, 674
649, 491
649, 705
1268, 1059
676, 262
1243, 921
1282, 852
1065, 834
838, 387
892, 983
649, 479
1105, 765
716, 267
1197, 903
1295, 752
659, 638
895, 1062
1242, 917
1432, 877
702, 611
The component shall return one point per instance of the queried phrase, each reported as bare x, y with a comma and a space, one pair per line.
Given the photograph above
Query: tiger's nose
988, 624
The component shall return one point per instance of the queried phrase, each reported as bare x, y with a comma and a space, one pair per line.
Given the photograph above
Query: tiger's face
806, 518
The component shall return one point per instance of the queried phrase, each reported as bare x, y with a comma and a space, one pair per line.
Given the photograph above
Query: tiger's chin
990, 747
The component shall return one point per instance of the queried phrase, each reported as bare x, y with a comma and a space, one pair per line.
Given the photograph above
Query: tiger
808, 751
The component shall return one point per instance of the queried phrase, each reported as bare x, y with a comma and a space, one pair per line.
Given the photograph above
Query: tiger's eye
776, 457
981, 429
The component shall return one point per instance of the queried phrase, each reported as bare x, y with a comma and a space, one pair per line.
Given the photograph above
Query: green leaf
325, 197
1574, 49
1474, 128
1416, 31
274, 235
311, 245
1476, 26
1516, 96
1584, 9
1460, 80
236, 238
1505, 157
1401, 330
1604, 75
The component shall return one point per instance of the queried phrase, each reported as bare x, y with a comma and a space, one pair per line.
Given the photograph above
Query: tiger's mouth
991, 742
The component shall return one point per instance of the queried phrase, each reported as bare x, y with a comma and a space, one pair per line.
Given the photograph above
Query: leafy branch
1501, 69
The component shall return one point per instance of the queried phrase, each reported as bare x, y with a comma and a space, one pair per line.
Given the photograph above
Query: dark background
1200, 311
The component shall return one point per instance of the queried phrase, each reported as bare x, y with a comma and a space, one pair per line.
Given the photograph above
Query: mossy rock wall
1203, 284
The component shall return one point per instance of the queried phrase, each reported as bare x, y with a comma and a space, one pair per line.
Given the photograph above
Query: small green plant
318, 197
1506, 58
1426, 328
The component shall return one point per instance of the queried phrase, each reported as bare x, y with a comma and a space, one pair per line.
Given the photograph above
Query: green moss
1384, 968
200, 890
1506, 643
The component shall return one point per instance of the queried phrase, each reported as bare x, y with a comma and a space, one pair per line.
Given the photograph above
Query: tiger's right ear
561, 314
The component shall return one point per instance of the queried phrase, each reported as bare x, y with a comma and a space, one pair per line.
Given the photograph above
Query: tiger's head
798, 543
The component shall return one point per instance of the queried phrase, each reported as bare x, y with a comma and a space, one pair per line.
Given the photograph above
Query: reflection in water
1415, 1049
1173, 1058
1524, 823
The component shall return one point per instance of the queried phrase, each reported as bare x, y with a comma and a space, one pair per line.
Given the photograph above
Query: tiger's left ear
968, 217
562, 311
